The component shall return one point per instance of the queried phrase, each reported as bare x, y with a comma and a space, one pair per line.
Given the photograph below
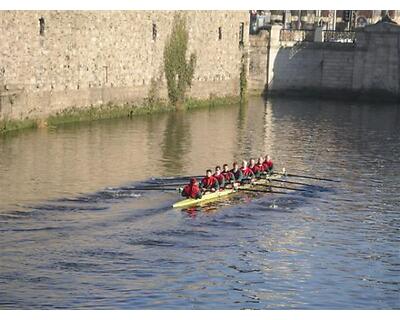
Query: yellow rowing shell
214, 196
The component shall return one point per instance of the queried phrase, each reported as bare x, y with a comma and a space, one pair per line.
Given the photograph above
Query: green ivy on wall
178, 71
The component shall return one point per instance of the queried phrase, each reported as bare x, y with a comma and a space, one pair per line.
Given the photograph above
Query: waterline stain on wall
111, 111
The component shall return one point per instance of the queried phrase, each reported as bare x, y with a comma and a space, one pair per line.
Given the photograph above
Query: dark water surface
74, 233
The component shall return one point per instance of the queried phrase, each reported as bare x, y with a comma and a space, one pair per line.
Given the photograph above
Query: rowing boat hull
214, 196
206, 197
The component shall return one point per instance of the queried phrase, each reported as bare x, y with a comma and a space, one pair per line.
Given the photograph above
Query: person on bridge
192, 190
209, 182
220, 177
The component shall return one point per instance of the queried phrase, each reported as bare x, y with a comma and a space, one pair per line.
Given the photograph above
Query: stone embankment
366, 68
57, 61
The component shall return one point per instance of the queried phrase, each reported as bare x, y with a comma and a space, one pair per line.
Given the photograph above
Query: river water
75, 234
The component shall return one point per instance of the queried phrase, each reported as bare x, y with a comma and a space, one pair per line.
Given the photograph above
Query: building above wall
338, 20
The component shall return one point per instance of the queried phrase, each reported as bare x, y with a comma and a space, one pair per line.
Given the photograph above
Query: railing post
275, 35
319, 34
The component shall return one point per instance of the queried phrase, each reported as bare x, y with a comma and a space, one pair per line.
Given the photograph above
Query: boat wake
151, 190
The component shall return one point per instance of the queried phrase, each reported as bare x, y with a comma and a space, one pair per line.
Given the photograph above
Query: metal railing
339, 36
296, 35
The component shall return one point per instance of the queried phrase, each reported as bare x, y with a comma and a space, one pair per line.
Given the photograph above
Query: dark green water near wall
74, 233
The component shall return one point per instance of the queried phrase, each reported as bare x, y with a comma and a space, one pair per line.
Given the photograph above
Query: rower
228, 176
248, 174
237, 173
268, 164
192, 190
220, 177
209, 183
252, 163
258, 168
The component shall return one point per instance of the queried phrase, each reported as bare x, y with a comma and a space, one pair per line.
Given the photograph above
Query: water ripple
76, 232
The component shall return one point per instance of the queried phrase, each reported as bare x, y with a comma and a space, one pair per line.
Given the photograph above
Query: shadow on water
102, 200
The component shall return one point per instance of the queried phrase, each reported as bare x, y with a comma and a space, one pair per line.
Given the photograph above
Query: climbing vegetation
178, 69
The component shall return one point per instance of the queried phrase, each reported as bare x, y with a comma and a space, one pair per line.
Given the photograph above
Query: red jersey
209, 182
228, 176
258, 168
247, 172
268, 165
191, 191
221, 179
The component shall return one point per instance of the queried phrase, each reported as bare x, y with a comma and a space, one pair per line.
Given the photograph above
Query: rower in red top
252, 163
228, 175
237, 173
268, 164
258, 168
192, 190
209, 183
248, 174
220, 177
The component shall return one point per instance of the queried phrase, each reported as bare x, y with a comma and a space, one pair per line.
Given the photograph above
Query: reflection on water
176, 142
74, 233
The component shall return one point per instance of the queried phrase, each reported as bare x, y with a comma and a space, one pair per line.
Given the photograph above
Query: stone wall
312, 66
258, 62
83, 58
368, 68
377, 60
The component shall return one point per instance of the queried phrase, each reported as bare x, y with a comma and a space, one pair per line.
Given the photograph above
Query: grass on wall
12, 125
110, 111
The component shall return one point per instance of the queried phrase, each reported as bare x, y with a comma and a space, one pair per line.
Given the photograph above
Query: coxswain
209, 182
258, 168
192, 190
237, 173
268, 164
220, 177
248, 174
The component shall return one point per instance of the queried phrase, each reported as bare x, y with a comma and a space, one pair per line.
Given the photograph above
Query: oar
183, 177
278, 180
292, 182
309, 177
154, 189
267, 175
280, 187
165, 184
263, 191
